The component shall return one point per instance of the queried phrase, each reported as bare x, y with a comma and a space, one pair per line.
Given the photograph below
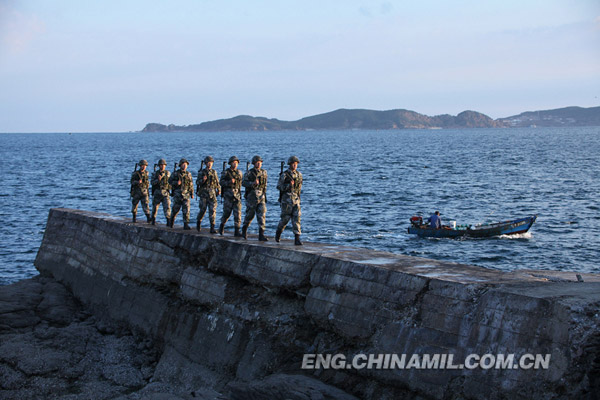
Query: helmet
143, 162
183, 160
162, 161
292, 160
255, 159
208, 159
232, 159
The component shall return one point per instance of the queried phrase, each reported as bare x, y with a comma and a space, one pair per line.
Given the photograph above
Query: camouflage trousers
137, 198
232, 204
182, 203
210, 203
293, 212
260, 210
159, 199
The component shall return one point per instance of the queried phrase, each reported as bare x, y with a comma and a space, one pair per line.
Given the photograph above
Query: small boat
511, 227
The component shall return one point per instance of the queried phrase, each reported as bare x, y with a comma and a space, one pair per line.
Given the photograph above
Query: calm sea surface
360, 187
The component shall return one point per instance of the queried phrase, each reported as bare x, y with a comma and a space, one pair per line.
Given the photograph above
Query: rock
287, 387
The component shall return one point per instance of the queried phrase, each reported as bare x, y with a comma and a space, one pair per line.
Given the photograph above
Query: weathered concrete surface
224, 311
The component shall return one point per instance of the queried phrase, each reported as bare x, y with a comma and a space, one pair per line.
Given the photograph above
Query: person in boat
435, 221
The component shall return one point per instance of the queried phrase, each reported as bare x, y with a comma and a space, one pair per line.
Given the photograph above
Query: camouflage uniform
139, 191
232, 197
290, 200
160, 192
181, 193
256, 198
207, 191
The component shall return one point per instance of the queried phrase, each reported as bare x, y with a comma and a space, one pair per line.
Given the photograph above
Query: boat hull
512, 227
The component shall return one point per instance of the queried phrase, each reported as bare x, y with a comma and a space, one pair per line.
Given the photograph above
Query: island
344, 119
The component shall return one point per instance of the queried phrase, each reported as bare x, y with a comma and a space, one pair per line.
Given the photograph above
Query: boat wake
526, 235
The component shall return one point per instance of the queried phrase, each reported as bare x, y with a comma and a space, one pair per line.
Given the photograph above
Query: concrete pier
229, 313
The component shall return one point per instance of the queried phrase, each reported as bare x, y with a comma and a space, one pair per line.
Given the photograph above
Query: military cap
292, 160
232, 159
143, 162
162, 161
255, 159
183, 160
208, 159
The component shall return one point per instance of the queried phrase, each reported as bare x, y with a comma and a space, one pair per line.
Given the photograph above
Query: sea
360, 187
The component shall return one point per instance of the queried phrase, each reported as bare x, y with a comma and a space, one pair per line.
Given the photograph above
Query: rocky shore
51, 347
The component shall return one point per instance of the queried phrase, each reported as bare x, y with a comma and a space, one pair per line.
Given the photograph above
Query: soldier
231, 184
139, 190
255, 182
183, 189
207, 189
290, 186
160, 191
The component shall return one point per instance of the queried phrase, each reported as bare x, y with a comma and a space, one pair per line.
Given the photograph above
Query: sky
104, 66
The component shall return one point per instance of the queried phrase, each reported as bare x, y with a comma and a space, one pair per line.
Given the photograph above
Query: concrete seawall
229, 312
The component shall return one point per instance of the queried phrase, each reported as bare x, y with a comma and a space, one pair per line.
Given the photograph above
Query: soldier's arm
217, 182
135, 179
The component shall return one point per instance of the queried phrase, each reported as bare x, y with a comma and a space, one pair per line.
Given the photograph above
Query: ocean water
360, 187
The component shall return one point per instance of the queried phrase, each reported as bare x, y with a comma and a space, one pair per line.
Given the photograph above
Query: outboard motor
416, 221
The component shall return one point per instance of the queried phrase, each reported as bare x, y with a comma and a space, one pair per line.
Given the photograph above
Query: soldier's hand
178, 183
256, 182
233, 181
192, 196
203, 178
140, 181
292, 182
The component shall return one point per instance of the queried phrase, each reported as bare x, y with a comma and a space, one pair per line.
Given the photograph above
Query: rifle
281, 173
131, 189
224, 170
198, 180
174, 171
155, 165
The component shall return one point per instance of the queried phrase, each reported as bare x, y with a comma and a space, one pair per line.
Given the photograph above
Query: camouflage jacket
138, 188
289, 193
210, 187
160, 182
231, 190
255, 192
186, 189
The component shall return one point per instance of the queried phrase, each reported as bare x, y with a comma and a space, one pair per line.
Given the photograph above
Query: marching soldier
255, 182
290, 186
231, 184
139, 190
183, 189
160, 191
208, 188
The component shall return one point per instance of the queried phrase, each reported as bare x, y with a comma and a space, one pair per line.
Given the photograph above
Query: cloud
18, 30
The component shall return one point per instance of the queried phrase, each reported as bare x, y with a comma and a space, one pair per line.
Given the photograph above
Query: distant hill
392, 119
568, 116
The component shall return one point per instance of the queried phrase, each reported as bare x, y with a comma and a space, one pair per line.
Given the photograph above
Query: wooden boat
511, 227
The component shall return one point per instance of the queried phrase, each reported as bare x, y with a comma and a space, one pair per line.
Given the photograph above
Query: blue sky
116, 65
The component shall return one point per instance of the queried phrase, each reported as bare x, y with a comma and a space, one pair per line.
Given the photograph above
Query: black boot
297, 241
170, 222
221, 228
153, 222
133, 217
212, 228
245, 231
237, 232
186, 226
148, 218
198, 225
261, 235
278, 233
